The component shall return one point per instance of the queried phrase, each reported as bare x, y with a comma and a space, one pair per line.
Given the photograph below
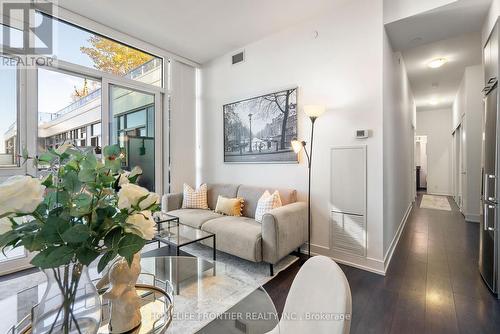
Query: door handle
486, 182
492, 80
487, 208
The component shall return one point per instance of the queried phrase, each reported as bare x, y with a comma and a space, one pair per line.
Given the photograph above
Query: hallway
432, 285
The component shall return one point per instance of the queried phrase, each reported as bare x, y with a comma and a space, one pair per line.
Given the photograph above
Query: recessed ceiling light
437, 63
433, 102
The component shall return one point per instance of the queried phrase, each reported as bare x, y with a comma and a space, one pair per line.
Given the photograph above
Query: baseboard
397, 236
472, 218
438, 194
364, 263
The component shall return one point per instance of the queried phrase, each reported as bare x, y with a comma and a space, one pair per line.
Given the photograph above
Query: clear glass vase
70, 304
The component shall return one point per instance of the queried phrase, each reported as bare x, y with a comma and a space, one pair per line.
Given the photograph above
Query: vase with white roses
84, 209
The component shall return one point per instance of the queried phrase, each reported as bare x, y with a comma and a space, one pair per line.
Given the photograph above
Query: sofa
280, 232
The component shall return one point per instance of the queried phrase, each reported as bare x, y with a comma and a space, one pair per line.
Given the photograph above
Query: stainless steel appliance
490, 213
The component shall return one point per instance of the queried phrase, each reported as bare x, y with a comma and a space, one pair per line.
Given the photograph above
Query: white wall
182, 126
469, 105
395, 10
436, 125
491, 19
341, 69
399, 109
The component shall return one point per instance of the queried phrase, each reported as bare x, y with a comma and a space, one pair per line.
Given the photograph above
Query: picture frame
260, 129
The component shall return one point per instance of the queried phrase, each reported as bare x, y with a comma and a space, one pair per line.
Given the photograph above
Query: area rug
435, 202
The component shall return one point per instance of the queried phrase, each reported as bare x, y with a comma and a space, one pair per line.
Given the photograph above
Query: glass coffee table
229, 302
172, 232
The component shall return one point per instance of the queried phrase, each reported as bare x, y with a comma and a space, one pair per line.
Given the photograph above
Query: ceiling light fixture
437, 63
433, 102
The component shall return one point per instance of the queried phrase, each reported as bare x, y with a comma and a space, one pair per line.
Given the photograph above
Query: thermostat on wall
362, 134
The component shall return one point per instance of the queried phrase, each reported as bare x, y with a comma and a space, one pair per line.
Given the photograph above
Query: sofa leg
271, 269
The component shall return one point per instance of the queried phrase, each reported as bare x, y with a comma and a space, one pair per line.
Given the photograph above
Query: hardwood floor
432, 285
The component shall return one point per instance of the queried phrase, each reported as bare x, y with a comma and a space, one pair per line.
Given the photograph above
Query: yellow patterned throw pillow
266, 203
195, 199
229, 206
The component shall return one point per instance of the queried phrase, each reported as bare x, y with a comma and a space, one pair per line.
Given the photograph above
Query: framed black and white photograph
260, 129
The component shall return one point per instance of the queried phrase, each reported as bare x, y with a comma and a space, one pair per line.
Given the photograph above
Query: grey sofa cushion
251, 196
194, 217
238, 236
216, 189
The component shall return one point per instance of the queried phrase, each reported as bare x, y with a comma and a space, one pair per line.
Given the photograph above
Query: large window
98, 92
8, 113
79, 46
69, 110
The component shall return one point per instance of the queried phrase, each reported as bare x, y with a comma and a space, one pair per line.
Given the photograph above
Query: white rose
123, 179
150, 200
142, 224
20, 194
135, 171
130, 194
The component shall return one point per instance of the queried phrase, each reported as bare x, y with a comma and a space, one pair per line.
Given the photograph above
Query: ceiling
199, 30
458, 18
452, 31
460, 52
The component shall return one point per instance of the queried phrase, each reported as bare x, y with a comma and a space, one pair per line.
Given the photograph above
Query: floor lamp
313, 112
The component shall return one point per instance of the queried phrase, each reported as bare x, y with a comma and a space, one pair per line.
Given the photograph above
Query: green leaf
76, 234
106, 178
41, 258
46, 157
74, 152
87, 175
103, 262
8, 238
47, 181
90, 161
114, 165
33, 242
82, 200
112, 151
129, 245
54, 228
86, 255
53, 257
112, 238
72, 165
56, 198
70, 181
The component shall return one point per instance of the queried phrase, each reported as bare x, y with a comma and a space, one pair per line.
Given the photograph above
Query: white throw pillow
195, 199
266, 203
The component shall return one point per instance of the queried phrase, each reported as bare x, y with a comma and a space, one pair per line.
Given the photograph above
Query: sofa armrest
284, 229
171, 202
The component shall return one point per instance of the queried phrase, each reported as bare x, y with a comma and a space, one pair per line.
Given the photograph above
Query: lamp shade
314, 110
297, 146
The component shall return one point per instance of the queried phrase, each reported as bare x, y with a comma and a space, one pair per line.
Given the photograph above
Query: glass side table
172, 232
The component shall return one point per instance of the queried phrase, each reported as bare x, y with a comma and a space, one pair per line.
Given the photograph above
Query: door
457, 166
463, 166
135, 125
488, 234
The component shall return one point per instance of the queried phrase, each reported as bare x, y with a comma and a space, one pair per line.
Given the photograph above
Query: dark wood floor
432, 285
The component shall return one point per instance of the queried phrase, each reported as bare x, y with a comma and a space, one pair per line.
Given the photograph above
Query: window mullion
105, 113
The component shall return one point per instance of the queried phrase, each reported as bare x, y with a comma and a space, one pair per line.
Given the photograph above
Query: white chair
319, 300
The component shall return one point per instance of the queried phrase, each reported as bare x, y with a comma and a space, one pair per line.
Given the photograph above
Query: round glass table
208, 297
